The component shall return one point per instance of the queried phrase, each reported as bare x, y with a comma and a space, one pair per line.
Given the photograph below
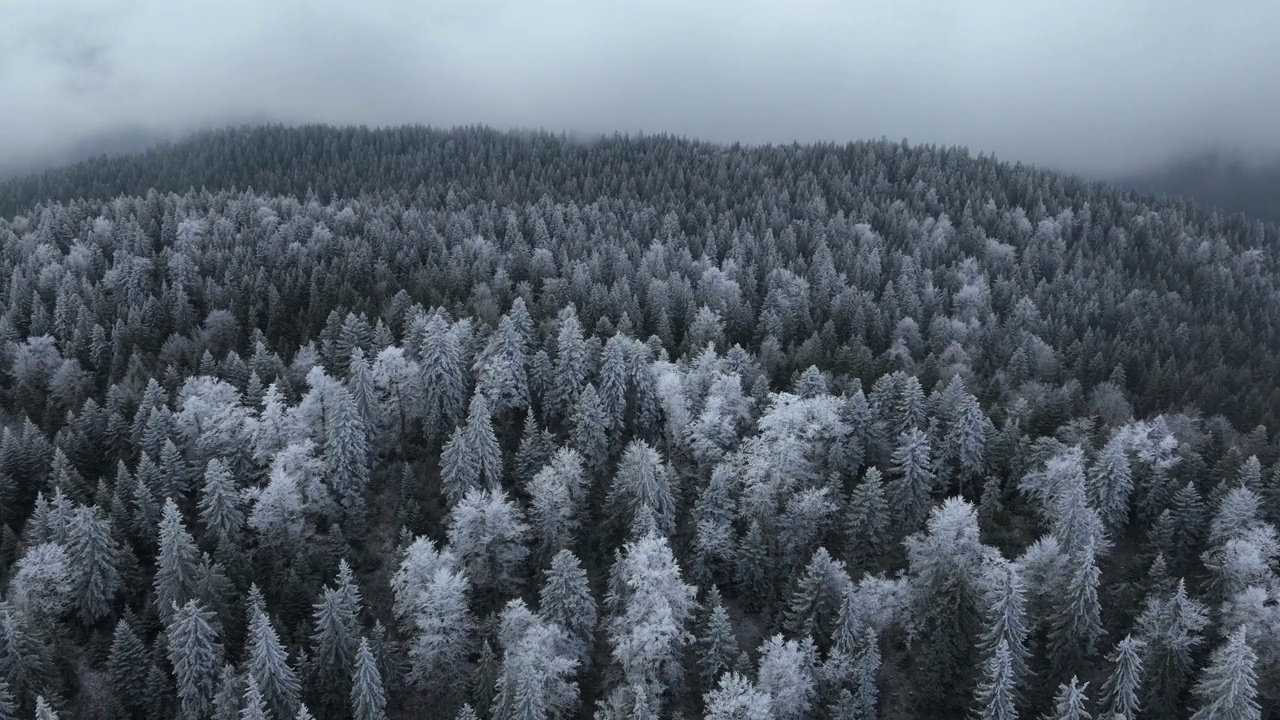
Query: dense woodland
341, 423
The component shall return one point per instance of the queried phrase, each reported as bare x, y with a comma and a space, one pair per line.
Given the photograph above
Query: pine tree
8, 709
1069, 703
997, 695
590, 430
1170, 628
1111, 484
570, 369
488, 533
501, 369
1121, 690
333, 648
866, 671
44, 711
220, 506
483, 443
643, 482
751, 568
485, 680
127, 670
269, 667
537, 445
867, 521
346, 456
557, 498
175, 581
226, 702
1228, 687
565, 599
912, 483
716, 643
194, 652
360, 385
1075, 622
92, 553
613, 387
459, 467
443, 376
368, 700
819, 595
535, 676
1006, 620
254, 706
737, 698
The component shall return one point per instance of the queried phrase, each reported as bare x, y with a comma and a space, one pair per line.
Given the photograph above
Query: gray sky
1098, 86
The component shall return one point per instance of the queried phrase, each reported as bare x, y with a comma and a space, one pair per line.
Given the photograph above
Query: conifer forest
327, 423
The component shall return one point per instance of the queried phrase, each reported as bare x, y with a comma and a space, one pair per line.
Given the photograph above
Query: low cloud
1098, 86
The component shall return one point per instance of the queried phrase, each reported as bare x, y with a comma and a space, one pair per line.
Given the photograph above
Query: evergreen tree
368, 700
333, 648
220, 506
443, 376
591, 430
613, 387
997, 694
1170, 628
346, 456
1228, 687
912, 482
175, 581
557, 496
8, 710
226, 702
489, 535
1069, 703
751, 568
459, 467
482, 442
92, 553
818, 597
44, 711
643, 482
127, 670
500, 369
867, 521
1121, 690
1075, 621
716, 643
254, 705
570, 368
269, 668
194, 652
737, 698
565, 599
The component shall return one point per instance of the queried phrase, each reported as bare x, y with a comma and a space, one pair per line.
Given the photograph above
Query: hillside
427, 423
1220, 180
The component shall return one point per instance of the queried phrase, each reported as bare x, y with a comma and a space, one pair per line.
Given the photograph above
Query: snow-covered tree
1120, 692
1227, 689
195, 654
537, 667
786, 672
368, 699
737, 698
431, 600
565, 599
176, 569
269, 668
91, 554
643, 482
488, 533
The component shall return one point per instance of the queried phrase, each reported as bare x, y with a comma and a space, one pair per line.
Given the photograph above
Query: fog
1096, 86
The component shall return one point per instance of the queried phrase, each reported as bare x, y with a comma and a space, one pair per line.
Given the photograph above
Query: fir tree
1069, 703
1120, 692
220, 506
269, 668
1075, 622
226, 702
997, 694
194, 652
565, 599
368, 700
912, 482
1228, 687
643, 482
92, 553
867, 521
590, 430
570, 369
175, 581
127, 670
716, 643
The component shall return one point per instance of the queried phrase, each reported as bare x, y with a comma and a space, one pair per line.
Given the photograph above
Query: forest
326, 423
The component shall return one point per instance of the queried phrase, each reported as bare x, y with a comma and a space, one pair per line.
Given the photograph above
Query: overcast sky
1099, 86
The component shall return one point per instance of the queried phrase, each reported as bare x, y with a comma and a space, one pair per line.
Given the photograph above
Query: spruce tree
997, 694
194, 652
1122, 688
867, 521
269, 667
643, 482
443, 376
590, 430
1069, 703
913, 479
254, 705
226, 702
127, 670
565, 599
1228, 687
570, 368
1075, 621
92, 554
176, 569
333, 648
221, 509
368, 700
482, 442
716, 643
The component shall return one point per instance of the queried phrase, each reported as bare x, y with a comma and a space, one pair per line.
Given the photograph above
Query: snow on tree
269, 668
1069, 703
786, 672
220, 506
500, 368
714, 535
488, 533
818, 597
566, 600
643, 482
1227, 689
997, 695
651, 606
396, 382
44, 711
254, 705
346, 454
127, 669
557, 501
431, 595
912, 480
195, 654
590, 430
91, 554
946, 583
1111, 482
1120, 692
1006, 621
716, 642
537, 667
1075, 620
737, 698
333, 645
443, 380
1170, 628
176, 579
361, 387
368, 700
867, 520
613, 386
277, 515
226, 701
570, 369
1060, 491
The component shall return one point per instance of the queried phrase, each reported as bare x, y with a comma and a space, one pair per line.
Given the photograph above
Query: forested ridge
346, 423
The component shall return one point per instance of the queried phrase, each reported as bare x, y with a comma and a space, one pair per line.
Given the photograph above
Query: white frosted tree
786, 672
431, 600
643, 482
1228, 687
737, 698
368, 698
1120, 691
536, 678
651, 608
195, 655
269, 667
557, 496
488, 533
565, 599
92, 553
176, 577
